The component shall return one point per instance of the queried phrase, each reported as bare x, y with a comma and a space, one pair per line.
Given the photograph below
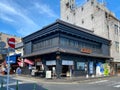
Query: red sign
11, 42
29, 61
86, 50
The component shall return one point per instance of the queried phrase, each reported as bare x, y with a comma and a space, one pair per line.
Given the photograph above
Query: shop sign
67, 62
38, 60
86, 50
48, 74
52, 62
39, 63
12, 59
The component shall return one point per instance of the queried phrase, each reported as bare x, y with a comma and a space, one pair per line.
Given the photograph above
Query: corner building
67, 47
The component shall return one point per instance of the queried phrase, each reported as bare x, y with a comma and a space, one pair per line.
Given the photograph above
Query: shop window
81, 66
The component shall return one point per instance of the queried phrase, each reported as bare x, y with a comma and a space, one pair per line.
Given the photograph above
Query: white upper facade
95, 17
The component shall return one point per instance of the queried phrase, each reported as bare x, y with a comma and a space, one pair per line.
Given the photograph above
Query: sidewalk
62, 80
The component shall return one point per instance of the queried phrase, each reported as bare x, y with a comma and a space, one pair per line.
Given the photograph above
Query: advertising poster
91, 67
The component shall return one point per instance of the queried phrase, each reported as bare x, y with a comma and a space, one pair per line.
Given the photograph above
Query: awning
28, 61
20, 63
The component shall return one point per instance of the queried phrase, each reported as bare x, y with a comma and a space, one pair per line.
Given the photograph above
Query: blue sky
22, 17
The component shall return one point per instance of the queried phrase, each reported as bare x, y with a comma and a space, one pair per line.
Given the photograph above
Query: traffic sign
11, 42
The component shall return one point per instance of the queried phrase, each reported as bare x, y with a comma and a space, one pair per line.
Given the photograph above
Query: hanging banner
91, 67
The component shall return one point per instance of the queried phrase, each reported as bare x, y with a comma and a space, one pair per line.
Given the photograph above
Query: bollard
34, 88
1, 85
17, 85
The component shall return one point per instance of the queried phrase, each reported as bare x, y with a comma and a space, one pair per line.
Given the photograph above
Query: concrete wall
101, 24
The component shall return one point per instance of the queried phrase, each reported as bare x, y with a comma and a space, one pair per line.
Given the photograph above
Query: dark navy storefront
67, 47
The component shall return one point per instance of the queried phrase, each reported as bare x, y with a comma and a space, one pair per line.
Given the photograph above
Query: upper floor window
82, 8
117, 46
45, 44
92, 16
67, 17
92, 3
116, 29
82, 21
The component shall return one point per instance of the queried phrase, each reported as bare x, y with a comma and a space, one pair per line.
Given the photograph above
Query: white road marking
98, 82
114, 83
117, 86
12, 89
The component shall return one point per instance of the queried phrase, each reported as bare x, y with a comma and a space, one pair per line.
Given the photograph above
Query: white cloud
45, 9
16, 14
25, 17
5, 8
6, 18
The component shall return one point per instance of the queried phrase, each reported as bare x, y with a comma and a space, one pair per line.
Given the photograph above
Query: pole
34, 88
17, 85
8, 70
1, 85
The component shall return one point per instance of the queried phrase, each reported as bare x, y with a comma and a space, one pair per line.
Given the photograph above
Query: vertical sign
91, 67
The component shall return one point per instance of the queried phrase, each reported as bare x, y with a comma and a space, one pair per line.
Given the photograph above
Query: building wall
3, 39
95, 17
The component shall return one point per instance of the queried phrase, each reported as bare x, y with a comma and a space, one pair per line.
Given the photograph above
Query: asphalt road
31, 84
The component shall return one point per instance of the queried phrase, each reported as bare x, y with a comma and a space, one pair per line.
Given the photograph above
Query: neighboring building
19, 48
97, 18
4, 45
68, 48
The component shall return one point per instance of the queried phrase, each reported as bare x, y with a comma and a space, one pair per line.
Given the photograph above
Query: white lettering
11, 42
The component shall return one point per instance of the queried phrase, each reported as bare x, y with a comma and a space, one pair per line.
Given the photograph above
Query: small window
92, 3
74, 13
106, 15
67, 4
82, 8
116, 29
117, 46
82, 21
67, 17
92, 16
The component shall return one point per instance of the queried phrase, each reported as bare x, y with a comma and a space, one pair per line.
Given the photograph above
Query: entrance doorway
67, 70
67, 67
